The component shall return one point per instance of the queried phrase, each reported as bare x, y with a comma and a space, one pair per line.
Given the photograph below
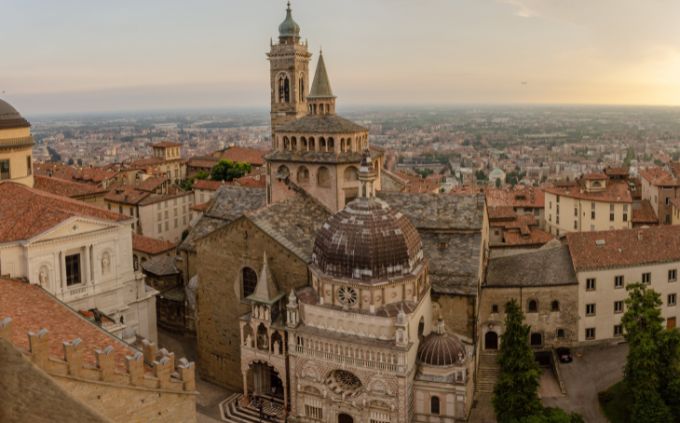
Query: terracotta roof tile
517, 198
614, 192
643, 213
207, 185
625, 247
253, 156
27, 212
151, 246
659, 177
31, 309
165, 144
64, 187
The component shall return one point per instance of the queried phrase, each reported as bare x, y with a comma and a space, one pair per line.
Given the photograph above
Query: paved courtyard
593, 370
210, 395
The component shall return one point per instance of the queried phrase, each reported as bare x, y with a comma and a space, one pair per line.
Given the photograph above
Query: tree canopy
227, 170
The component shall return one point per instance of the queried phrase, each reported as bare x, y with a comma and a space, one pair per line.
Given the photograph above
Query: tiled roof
65, 188
31, 309
322, 124
161, 266
27, 212
659, 177
151, 184
438, 211
126, 195
151, 246
643, 213
501, 213
624, 247
207, 184
252, 181
535, 236
453, 259
550, 265
253, 156
202, 162
517, 198
293, 222
201, 207
614, 192
595, 176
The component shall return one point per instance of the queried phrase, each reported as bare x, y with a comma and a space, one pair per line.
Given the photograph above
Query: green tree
226, 170
515, 395
643, 326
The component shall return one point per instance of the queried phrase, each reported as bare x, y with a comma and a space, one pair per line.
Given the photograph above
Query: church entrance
264, 381
491, 341
345, 418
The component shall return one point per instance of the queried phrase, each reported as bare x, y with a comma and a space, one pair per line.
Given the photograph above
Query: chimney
38, 345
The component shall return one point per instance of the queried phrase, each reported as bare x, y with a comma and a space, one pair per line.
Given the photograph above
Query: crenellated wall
148, 387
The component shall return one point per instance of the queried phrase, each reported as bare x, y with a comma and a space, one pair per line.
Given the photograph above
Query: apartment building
606, 262
660, 187
595, 202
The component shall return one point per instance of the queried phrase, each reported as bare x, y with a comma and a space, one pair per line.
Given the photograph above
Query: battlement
150, 370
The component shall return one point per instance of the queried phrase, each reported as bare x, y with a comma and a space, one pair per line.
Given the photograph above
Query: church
336, 301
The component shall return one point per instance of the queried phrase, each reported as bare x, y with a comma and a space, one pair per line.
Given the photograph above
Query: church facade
337, 302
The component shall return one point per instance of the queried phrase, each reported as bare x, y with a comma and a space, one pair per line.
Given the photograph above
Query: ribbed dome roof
441, 349
10, 118
367, 240
289, 28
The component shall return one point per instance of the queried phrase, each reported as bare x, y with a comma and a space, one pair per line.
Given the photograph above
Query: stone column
62, 271
245, 383
87, 263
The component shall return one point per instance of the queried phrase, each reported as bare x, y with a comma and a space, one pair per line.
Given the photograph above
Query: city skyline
81, 57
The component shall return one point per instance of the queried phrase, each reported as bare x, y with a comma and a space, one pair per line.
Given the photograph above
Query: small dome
289, 28
367, 240
10, 118
441, 349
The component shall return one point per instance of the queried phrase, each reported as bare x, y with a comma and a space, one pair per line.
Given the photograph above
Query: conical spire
321, 87
266, 290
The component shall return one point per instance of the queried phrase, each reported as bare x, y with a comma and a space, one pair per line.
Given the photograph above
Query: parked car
564, 355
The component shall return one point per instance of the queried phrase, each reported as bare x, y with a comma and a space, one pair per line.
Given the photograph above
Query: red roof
151, 246
615, 192
624, 247
151, 184
27, 212
523, 197
251, 181
659, 177
65, 188
534, 237
643, 213
207, 185
253, 156
596, 176
31, 309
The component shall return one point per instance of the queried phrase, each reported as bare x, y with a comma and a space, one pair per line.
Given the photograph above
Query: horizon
169, 56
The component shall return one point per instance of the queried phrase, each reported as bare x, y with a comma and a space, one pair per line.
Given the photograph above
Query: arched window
331, 144
322, 144
421, 328
555, 305
301, 88
293, 143
282, 172
312, 147
302, 175
248, 281
303, 144
560, 333
532, 306
286, 143
323, 177
284, 89
262, 338
434, 406
351, 174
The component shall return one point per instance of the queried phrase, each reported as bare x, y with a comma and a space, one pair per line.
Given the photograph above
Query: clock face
347, 295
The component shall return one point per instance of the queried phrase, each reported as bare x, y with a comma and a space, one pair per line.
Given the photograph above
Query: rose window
343, 382
347, 295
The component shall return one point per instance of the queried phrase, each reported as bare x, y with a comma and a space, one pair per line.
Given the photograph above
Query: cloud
522, 9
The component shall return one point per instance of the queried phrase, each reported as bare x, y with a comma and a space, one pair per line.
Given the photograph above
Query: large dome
10, 118
367, 240
440, 349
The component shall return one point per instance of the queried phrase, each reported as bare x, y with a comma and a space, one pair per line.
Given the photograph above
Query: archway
264, 381
491, 341
345, 418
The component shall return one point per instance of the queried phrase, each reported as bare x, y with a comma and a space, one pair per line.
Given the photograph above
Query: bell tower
289, 74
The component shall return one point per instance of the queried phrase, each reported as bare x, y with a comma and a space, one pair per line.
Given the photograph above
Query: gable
71, 227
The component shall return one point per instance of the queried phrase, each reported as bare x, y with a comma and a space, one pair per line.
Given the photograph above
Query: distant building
595, 202
166, 162
660, 187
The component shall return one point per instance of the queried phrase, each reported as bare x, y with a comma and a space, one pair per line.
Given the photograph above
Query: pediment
73, 226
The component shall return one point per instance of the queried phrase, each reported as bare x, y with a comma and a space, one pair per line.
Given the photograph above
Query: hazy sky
95, 55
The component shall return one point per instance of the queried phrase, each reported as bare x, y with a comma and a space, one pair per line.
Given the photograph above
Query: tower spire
321, 87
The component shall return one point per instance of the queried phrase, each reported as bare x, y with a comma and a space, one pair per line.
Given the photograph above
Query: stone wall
220, 259
458, 312
545, 321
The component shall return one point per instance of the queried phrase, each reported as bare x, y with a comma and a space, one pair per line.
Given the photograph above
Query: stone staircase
235, 409
487, 373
